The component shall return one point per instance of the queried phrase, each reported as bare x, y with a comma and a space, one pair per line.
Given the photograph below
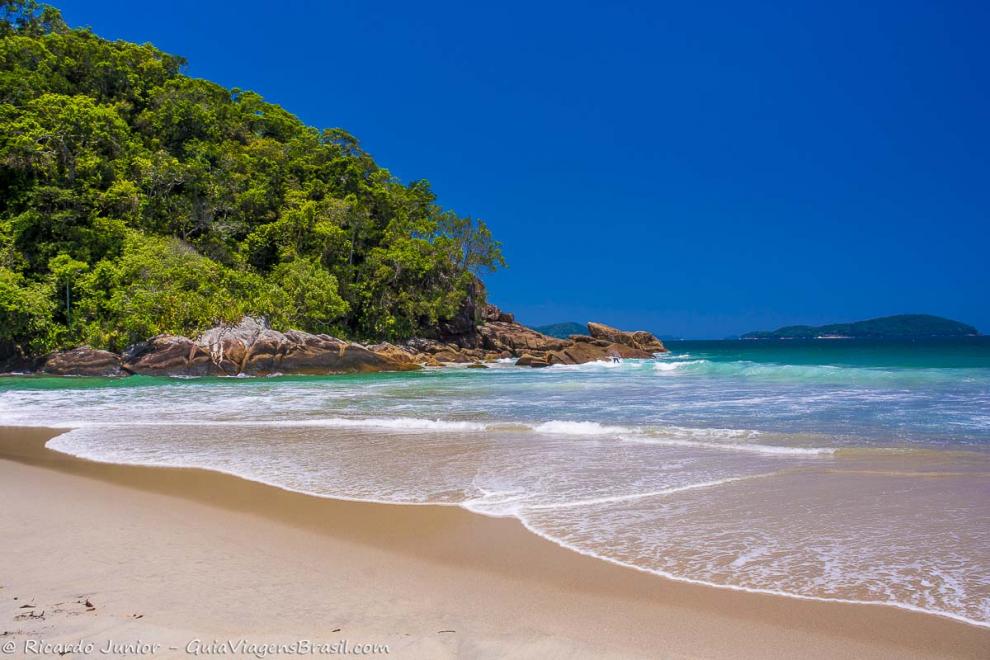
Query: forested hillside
135, 200
562, 330
899, 326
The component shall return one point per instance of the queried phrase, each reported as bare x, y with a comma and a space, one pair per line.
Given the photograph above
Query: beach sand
173, 555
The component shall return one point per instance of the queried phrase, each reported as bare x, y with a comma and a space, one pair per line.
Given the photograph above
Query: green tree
64, 272
25, 314
307, 297
135, 200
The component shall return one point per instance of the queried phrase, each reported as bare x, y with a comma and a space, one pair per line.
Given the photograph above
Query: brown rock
641, 340
83, 361
358, 359
452, 354
229, 345
529, 360
169, 355
587, 339
400, 355
419, 345
581, 352
648, 342
253, 348
308, 354
499, 336
624, 351
490, 313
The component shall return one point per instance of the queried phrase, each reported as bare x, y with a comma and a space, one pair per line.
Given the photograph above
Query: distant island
887, 327
562, 330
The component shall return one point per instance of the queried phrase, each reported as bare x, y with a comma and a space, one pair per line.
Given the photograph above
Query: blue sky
696, 169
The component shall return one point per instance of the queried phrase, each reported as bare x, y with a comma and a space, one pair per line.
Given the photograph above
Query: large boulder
230, 346
530, 360
355, 358
647, 341
170, 355
641, 340
403, 355
580, 352
500, 336
252, 348
294, 353
83, 361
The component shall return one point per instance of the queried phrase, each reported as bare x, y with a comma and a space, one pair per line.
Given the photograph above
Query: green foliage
135, 200
25, 313
307, 296
156, 286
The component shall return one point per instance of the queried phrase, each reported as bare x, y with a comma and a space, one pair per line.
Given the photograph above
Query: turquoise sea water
836, 469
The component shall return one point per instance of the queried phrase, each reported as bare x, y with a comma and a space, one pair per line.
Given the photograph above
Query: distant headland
887, 327
561, 330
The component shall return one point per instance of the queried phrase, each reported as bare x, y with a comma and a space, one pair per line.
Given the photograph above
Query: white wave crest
392, 423
673, 365
730, 446
558, 427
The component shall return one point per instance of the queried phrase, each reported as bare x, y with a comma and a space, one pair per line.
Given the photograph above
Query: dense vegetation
902, 325
562, 330
135, 200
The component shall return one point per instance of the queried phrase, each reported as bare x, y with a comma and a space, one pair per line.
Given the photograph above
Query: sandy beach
171, 556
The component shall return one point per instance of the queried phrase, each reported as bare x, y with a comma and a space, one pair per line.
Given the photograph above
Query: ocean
847, 470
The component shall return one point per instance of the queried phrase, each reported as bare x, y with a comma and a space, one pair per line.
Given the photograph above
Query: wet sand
171, 555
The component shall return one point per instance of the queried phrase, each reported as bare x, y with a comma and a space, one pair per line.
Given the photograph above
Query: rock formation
169, 355
640, 340
499, 336
82, 361
252, 348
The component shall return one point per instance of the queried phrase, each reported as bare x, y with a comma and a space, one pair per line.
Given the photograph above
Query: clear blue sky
697, 169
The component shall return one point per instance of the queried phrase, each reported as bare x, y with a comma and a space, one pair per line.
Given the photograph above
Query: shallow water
832, 469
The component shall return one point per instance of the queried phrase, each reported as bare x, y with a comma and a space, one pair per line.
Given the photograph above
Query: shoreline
505, 590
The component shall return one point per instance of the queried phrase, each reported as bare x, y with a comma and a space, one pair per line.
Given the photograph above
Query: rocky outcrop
530, 360
493, 313
436, 353
170, 355
83, 361
513, 338
252, 348
641, 340
403, 355
482, 332
501, 336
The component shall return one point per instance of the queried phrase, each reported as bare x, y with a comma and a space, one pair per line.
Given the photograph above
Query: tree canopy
136, 200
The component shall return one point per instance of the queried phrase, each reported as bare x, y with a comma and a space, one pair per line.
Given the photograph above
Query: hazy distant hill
562, 330
901, 325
